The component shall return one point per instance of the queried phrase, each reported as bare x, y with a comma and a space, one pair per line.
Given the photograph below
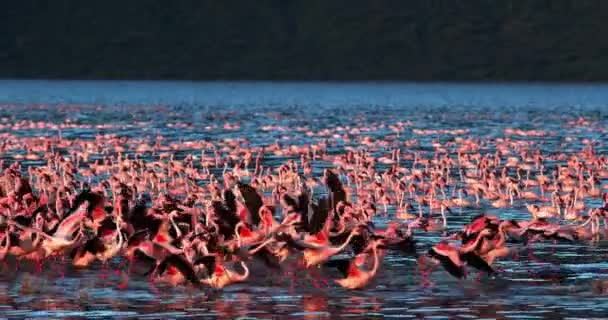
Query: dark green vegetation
325, 40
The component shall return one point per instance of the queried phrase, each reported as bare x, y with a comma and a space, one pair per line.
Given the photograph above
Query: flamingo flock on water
202, 213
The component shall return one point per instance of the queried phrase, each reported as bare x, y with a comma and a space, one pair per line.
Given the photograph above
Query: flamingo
355, 277
220, 276
315, 256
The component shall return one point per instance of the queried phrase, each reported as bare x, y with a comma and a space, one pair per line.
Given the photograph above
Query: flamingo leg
39, 265
289, 274
426, 272
531, 250
123, 285
154, 288
531, 254
315, 277
121, 265
153, 274
55, 266
515, 255
62, 271
103, 272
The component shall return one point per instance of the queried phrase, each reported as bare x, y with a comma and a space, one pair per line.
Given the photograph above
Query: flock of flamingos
201, 213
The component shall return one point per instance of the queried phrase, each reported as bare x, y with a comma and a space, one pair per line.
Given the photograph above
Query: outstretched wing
226, 219
138, 237
94, 246
253, 202
182, 265
208, 262
303, 208
320, 212
94, 200
447, 264
269, 259
229, 200
336, 190
341, 264
289, 241
478, 263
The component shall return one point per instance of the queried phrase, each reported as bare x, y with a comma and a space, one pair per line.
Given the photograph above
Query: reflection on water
541, 281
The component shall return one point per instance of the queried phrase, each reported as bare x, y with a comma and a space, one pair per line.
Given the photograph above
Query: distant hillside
323, 40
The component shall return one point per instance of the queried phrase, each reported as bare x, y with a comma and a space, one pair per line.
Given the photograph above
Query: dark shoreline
422, 41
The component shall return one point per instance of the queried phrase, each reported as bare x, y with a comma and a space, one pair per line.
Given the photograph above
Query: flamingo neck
119, 234
471, 247
245, 275
501, 237
237, 233
6, 246
350, 236
32, 230
177, 229
259, 247
68, 224
374, 269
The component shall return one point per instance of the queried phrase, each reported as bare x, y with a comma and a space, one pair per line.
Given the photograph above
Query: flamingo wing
209, 263
269, 259
334, 184
229, 200
343, 265
181, 264
23, 220
477, 262
94, 246
253, 202
138, 237
320, 212
303, 208
93, 198
447, 263
227, 219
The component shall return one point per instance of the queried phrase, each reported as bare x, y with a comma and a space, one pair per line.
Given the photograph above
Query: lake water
557, 281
